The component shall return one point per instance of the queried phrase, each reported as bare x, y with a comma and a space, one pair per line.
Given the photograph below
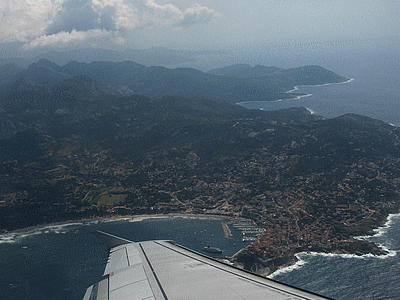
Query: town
299, 200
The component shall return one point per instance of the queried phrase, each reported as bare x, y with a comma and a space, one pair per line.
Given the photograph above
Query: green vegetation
239, 83
75, 149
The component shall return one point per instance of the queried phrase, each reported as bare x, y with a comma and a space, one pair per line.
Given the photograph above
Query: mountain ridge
78, 148
132, 78
75, 149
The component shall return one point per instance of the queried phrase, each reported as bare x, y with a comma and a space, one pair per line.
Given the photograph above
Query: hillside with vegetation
76, 148
258, 84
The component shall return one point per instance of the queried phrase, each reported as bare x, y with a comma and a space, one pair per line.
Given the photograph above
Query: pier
227, 231
250, 231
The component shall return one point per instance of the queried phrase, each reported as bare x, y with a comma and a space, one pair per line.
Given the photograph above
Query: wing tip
111, 241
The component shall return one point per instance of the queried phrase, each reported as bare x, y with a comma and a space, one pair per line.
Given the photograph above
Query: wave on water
302, 96
287, 99
311, 111
275, 101
300, 263
296, 88
380, 232
303, 258
14, 237
62, 228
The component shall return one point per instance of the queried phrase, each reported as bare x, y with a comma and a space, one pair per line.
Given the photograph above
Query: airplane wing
164, 270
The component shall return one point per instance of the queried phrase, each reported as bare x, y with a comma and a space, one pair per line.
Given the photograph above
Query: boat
209, 249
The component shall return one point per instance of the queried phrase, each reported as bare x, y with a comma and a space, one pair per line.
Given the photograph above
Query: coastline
227, 231
296, 88
278, 100
292, 262
8, 237
300, 262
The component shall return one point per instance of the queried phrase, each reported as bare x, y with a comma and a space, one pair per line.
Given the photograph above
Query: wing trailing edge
156, 270
111, 241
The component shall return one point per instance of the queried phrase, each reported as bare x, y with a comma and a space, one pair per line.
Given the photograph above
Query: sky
35, 26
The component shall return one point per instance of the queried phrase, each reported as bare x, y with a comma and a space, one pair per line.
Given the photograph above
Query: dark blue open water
375, 91
61, 261
351, 277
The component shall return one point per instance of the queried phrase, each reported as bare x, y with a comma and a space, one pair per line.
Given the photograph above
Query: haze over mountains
239, 83
94, 139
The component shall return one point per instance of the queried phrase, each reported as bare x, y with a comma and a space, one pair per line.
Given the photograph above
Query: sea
60, 261
373, 89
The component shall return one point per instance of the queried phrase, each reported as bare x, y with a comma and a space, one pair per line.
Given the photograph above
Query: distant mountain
244, 70
9, 73
155, 56
45, 72
75, 149
308, 75
238, 83
75, 92
110, 73
20, 62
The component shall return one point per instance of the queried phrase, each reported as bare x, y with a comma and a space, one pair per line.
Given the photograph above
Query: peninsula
77, 148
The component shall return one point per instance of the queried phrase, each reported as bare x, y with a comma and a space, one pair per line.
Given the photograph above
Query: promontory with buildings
72, 147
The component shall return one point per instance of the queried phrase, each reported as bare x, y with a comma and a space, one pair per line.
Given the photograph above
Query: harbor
249, 229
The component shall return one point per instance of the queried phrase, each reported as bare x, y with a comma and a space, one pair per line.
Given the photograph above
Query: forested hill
76, 148
239, 83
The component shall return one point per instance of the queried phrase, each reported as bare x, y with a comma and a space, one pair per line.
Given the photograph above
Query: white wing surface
164, 270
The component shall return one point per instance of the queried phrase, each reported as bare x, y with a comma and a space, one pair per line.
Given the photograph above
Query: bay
61, 261
358, 96
374, 91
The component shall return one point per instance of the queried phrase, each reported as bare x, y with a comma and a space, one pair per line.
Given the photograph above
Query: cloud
78, 15
108, 18
196, 15
177, 18
63, 38
56, 23
22, 20
85, 15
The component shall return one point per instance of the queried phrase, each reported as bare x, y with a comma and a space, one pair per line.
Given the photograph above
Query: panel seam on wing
128, 284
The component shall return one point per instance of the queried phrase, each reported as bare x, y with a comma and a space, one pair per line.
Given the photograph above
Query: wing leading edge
165, 270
